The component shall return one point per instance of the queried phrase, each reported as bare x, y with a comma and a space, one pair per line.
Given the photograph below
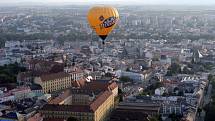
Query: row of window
53, 86
62, 113
57, 84
105, 109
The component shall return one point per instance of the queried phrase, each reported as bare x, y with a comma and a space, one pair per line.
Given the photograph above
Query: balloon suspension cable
103, 45
91, 37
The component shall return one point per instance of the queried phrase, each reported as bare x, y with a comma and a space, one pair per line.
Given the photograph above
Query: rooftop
54, 76
119, 115
87, 88
99, 100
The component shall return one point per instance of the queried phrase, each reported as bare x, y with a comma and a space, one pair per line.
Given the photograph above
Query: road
207, 99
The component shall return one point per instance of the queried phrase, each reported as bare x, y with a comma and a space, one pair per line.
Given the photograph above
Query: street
207, 99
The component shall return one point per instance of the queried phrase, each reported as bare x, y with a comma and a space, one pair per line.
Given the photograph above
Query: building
75, 97
21, 93
160, 91
6, 97
76, 73
54, 82
40, 67
132, 75
121, 115
10, 116
146, 108
86, 101
25, 78
184, 54
164, 59
36, 117
102, 85
167, 105
85, 92
37, 90
96, 110
135, 111
18, 93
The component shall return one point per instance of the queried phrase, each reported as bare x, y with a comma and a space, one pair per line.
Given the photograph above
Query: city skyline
151, 2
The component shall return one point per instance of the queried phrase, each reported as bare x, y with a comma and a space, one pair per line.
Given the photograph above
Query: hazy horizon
142, 2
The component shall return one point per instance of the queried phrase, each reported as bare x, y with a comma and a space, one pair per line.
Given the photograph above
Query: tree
210, 77
193, 61
210, 115
199, 111
120, 95
169, 73
125, 79
165, 94
156, 79
175, 68
120, 98
119, 91
180, 93
155, 59
153, 119
108, 74
9, 72
175, 117
176, 89
128, 69
143, 94
72, 119
187, 71
158, 84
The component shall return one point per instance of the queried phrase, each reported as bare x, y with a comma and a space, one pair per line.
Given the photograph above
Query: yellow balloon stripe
103, 19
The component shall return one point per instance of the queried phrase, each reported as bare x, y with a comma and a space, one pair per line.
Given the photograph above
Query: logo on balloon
101, 18
108, 22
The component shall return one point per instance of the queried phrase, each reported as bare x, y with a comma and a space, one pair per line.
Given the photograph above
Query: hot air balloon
103, 19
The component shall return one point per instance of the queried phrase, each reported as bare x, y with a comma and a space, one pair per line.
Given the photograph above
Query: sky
153, 2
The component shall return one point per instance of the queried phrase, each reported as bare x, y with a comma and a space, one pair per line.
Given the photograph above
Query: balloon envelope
103, 19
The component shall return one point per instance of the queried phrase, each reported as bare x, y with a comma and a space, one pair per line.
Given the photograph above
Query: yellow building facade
54, 82
103, 111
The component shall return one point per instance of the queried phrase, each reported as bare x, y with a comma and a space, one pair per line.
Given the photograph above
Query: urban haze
157, 64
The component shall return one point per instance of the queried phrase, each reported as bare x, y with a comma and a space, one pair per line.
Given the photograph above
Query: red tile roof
100, 100
54, 76
95, 85
36, 117
60, 98
99, 85
113, 85
40, 67
79, 83
76, 70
